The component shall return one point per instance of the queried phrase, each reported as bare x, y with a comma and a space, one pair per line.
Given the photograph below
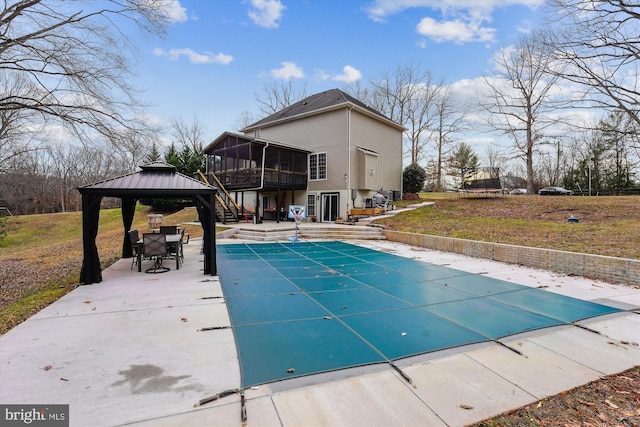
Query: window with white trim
318, 166
311, 205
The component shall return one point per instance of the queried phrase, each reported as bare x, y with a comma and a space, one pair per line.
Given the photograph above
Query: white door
330, 206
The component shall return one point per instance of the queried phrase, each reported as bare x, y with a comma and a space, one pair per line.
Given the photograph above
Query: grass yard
608, 225
41, 256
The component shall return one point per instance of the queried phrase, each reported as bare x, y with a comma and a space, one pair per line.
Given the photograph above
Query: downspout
264, 156
348, 174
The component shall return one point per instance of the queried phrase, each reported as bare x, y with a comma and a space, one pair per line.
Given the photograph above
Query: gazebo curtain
128, 211
91, 271
205, 209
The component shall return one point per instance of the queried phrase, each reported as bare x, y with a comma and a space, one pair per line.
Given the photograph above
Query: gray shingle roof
319, 101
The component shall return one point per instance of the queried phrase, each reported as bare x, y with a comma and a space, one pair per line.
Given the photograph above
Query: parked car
518, 191
554, 191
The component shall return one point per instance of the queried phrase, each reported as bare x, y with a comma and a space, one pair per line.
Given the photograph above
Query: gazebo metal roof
154, 179
157, 180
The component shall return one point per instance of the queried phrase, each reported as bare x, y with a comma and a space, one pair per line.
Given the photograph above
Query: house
328, 152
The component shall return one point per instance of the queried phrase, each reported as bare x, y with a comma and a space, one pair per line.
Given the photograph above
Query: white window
318, 166
311, 205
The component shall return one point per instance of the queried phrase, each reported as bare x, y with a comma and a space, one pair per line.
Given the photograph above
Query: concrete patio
143, 349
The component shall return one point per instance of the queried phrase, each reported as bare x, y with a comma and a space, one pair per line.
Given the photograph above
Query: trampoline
304, 308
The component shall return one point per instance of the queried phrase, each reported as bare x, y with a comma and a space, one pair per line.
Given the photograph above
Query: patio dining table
173, 245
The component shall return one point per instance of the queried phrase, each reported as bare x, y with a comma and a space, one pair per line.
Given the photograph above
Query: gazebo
157, 180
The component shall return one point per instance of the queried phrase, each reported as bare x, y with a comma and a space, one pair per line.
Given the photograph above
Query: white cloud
289, 70
462, 20
172, 9
379, 10
525, 27
455, 31
349, 75
322, 75
266, 13
194, 57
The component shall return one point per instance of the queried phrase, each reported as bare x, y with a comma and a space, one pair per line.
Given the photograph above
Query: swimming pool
303, 308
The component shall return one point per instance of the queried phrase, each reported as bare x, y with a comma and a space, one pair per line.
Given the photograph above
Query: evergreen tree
462, 162
154, 153
172, 157
413, 178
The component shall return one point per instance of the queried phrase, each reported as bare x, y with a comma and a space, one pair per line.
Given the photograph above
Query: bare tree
245, 119
129, 148
519, 99
359, 92
599, 42
189, 138
187, 134
70, 59
496, 161
278, 95
66, 160
449, 121
20, 133
96, 163
408, 96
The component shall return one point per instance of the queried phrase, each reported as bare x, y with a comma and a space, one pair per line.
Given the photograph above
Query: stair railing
223, 202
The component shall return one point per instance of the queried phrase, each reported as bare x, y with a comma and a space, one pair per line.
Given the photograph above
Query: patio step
310, 232
342, 232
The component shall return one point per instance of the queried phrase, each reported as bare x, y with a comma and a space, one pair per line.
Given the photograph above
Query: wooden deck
366, 211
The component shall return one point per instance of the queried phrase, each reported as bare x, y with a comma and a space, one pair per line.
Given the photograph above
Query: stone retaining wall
608, 269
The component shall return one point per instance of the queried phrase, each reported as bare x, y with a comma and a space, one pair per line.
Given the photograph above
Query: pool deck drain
141, 349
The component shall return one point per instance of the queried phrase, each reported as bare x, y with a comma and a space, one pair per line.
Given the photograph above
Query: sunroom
271, 171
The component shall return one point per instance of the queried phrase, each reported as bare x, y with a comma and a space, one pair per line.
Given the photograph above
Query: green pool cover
304, 308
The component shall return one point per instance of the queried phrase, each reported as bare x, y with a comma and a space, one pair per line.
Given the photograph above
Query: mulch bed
611, 401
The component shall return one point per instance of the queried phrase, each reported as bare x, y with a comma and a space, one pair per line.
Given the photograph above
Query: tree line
69, 116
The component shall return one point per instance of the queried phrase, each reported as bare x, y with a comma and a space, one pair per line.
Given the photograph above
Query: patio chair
155, 247
182, 242
134, 236
185, 236
173, 249
168, 229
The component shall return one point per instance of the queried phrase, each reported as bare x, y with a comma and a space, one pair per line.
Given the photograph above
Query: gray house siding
324, 133
363, 149
376, 137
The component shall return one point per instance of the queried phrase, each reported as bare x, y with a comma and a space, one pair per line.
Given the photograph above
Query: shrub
413, 178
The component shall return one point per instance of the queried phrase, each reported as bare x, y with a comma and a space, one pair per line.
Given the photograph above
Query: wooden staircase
226, 209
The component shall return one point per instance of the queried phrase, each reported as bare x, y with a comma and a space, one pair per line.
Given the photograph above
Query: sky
218, 55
